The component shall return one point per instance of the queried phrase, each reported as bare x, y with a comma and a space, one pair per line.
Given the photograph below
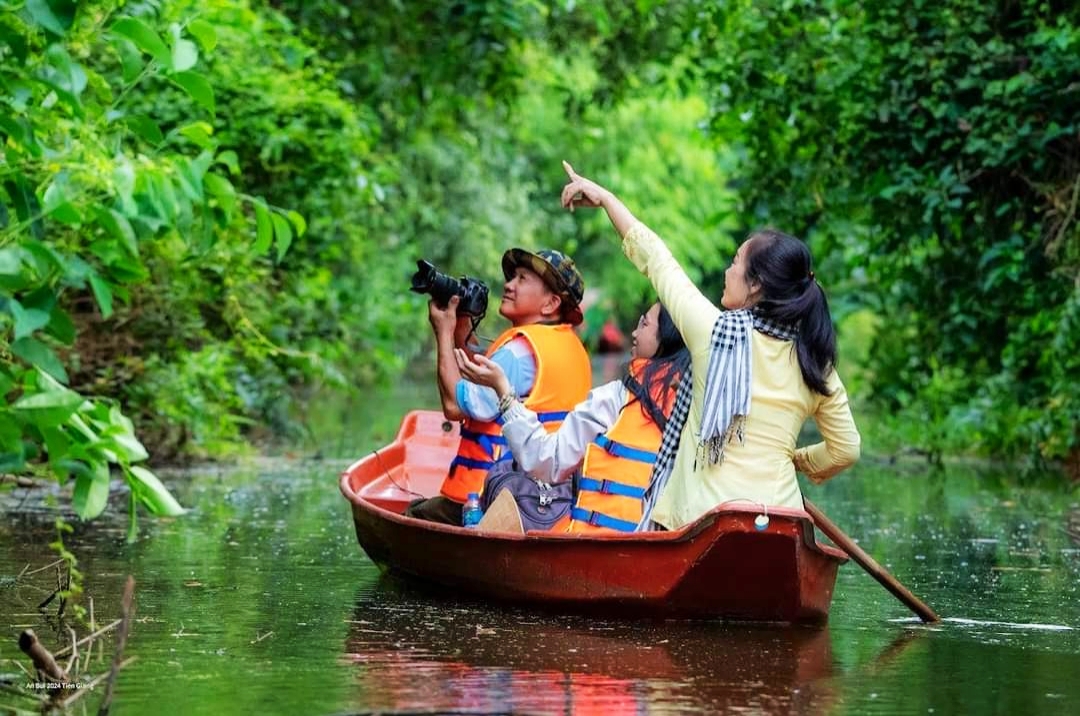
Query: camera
473, 292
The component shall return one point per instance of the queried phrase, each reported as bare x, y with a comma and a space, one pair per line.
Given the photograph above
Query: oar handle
867, 562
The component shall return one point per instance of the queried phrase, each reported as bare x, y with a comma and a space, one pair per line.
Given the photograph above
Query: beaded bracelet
506, 401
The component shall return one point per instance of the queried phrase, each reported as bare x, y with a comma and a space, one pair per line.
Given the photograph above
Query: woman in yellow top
758, 370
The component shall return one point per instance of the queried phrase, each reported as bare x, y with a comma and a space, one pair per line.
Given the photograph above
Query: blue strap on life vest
601, 520
470, 463
486, 442
610, 487
624, 451
552, 416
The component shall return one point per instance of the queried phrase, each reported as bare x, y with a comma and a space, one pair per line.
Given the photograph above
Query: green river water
260, 601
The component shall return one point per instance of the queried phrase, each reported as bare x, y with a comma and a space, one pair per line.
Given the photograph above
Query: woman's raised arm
693, 313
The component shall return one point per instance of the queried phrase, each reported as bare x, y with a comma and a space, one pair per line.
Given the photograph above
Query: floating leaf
144, 38
197, 87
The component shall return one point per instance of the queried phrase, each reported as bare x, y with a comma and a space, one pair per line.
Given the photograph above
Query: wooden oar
867, 562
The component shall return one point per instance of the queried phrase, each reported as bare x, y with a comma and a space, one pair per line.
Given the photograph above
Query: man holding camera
540, 354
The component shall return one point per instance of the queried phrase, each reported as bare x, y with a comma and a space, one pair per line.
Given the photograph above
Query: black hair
781, 265
662, 372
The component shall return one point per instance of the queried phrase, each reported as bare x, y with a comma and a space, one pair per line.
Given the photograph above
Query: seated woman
758, 371
612, 436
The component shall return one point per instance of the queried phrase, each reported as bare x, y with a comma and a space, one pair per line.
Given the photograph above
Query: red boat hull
719, 566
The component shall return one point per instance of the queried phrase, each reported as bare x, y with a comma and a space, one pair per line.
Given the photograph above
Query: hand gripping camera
473, 292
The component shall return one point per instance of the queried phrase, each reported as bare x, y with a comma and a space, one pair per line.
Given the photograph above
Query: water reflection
411, 650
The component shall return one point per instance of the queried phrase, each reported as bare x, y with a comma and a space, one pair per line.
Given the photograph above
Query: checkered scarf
727, 399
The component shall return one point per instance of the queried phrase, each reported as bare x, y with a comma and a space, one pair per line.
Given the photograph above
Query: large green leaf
146, 128
122, 432
283, 232
152, 493
223, 189
26, 204
103, 294
197, 87
229, 159
13, 461
91, 492
131, 60
144, 38
297, 221
41, 356
204, 32
57, 205
48, 409
264, 227
118, 225
60, 326
199, 133
56, 16
11, 268
10, 432
184, 53
27, 320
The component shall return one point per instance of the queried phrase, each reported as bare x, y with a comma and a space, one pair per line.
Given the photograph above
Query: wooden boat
719, 566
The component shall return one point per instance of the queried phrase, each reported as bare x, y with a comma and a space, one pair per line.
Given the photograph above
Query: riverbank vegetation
209, 210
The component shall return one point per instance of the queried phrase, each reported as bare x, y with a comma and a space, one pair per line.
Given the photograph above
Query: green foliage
98, 197
947, 134
209, 210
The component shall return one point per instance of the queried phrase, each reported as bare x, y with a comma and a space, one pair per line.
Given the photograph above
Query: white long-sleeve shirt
553, 457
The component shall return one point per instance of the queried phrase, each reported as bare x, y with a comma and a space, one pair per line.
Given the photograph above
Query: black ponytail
662, 372
790, 294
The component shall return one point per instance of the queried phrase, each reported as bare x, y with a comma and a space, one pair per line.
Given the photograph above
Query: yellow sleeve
841, 445
694, 314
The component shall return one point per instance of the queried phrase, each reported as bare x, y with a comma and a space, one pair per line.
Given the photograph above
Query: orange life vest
617, 469
563, 379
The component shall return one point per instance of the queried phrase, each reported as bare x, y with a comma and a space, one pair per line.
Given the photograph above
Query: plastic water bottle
471, 514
